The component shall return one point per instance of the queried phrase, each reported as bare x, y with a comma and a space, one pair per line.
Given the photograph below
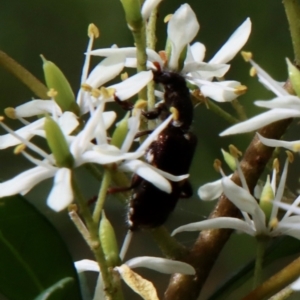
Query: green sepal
133, 14
294, 75
58, 144
229, 159
181, 59
266, 199
109, 242
120, 132
55, 79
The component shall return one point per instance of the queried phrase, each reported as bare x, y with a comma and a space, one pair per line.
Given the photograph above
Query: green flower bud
120, 132
294, 75
133, 14
266, 199
58, 144
109, 242
229, 159
55, 79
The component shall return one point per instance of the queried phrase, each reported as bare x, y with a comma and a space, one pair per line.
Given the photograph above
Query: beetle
172, 152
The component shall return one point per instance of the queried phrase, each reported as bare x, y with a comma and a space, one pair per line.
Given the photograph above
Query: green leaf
32, 254
56, 291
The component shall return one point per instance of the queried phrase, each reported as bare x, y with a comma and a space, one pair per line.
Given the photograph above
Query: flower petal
222, 222
239, 196
211, 190
106, 70
98, 157
137, 283
197, 52
26, 132
61, 194
261, 120
278, 143
37, 107
129, 52
268, 81
289, 101
132, 85
224, 91
24, 182
234, 44
151, 137
182, 28
203, 70
161, 265
68, 122
86, 265
295, 286
148, 173
148, 7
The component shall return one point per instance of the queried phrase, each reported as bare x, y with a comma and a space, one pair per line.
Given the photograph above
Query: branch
209, 244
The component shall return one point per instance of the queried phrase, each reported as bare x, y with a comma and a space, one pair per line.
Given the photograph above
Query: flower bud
266, 199
120, 132
133, 14
109, 242
294, 75
229, 159
56, 80
58, 144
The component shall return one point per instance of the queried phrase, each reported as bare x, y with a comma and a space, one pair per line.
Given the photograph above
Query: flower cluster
91, 100
76, 128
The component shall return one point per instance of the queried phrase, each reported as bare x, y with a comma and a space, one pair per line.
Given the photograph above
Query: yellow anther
247, 55
93, 31
240, 90
253, 72
290, 156
140, 104
96, 93
10, 112
124, 76
276, 165
217, 165
52, 93
296, 147
234, 151
104, 92
175, 112
86, 87
167, 18
1, 118
18, 149
73, 207
273, 223
111, 92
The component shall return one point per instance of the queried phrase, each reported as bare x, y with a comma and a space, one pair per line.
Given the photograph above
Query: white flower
132, 279
283, 106
254, 222
182, 29
83, 151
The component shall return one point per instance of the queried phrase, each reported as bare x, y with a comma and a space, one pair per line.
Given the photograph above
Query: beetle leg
126, 105
136, 180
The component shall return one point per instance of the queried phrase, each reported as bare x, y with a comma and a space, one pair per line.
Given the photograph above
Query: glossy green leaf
33, 256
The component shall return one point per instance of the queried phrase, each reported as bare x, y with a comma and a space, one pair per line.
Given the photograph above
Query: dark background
57, 29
